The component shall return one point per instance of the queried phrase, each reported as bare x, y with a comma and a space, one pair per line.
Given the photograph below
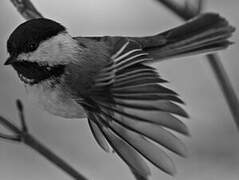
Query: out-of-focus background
214, 145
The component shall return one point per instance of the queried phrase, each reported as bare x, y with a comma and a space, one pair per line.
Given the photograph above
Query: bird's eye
33, 46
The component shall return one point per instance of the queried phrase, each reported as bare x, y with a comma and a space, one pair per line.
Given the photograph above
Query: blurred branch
181, 10
21, 135
188, 11
21, 115
26, 9
138, 176
8, 137
200, 5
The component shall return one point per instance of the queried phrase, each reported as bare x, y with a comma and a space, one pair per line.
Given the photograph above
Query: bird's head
39, 49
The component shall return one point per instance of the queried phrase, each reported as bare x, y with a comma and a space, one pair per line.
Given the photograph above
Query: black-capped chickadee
111, 81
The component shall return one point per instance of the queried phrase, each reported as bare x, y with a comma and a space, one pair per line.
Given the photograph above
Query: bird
112, 82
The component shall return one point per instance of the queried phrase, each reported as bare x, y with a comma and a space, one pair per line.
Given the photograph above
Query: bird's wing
128, 108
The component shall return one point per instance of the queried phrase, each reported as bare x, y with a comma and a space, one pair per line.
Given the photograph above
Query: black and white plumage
109, 81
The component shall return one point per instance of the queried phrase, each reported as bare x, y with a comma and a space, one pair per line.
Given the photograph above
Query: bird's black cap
27, 36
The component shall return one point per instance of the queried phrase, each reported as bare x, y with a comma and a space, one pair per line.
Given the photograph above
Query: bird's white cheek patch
45, 53
39, 55
59, 49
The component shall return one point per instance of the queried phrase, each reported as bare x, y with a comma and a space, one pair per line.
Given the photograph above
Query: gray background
214, 145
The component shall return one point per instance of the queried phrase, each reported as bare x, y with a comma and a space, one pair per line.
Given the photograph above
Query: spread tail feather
204, 34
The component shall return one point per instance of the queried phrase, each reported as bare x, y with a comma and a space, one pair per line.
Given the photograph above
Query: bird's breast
56, 100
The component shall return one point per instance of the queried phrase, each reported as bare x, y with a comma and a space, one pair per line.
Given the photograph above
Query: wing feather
148, 96
127, 153
157, 117
162, 105
147, 149
153, 132
99, 137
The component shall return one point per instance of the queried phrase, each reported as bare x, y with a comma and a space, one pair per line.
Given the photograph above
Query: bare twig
180, 9
138, 176
200, 6
9, 137
21, 135
32, 142
21, 115
194, 7
26, 9
214, 60
10, 126
225, 85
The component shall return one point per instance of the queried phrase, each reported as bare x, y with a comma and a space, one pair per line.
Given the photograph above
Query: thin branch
180, 9
26, 9
32, 142
200, 6
226, 86
138, 176
21, 115
213, 59
23, 136
10, 137
9, 125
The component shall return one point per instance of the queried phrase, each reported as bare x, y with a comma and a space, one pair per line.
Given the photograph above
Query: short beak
10, 60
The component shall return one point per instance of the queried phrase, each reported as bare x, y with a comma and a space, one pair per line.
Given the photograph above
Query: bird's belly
56, 101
